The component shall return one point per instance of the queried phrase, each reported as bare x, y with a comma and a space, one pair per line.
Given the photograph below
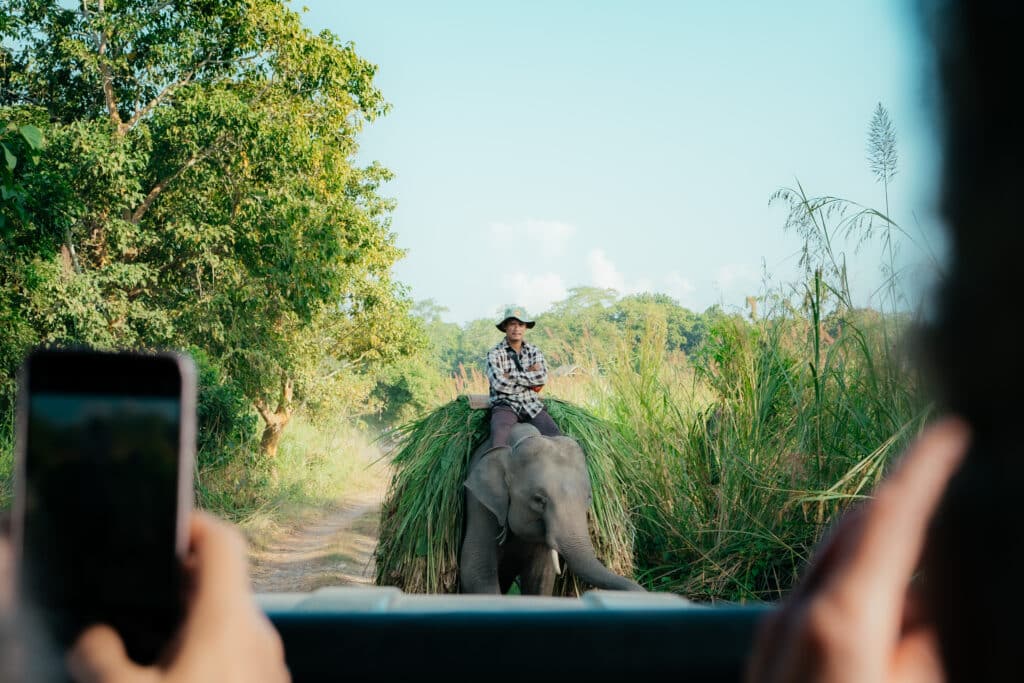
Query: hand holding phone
225, 636
103, 491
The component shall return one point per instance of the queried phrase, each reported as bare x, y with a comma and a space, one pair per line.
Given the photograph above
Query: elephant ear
487, 482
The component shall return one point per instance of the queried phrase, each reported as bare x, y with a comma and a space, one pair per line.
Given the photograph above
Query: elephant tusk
554, 561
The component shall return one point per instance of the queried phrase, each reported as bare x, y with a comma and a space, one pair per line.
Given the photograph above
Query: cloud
736, 275
550, 237
603, 272
680, 288
535, 292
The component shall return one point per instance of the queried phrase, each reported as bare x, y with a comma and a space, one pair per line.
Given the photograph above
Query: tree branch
264, 411
161, 185
284, 405
152, 104
108, 77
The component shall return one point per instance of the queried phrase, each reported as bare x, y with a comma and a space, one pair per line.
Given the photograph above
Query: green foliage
442, 338
408, 388
198, 189
318, 463
19, 145
6, 470
753, 445
683, 328
582, 329
476, 339
226, 422
583, 316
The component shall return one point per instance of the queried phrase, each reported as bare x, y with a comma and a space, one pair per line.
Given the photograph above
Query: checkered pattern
510, 386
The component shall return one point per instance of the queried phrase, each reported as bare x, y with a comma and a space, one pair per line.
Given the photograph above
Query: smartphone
104, 450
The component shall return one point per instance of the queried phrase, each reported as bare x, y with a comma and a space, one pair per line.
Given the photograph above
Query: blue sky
539, 146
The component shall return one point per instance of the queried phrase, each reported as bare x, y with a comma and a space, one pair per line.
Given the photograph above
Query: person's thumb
99, 656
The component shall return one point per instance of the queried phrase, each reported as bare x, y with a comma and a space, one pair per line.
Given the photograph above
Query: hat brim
529, 323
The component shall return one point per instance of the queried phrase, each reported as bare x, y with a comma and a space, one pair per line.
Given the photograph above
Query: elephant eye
539, 499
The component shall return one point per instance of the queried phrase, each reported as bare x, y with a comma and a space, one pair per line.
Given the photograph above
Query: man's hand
225, 636
534, 368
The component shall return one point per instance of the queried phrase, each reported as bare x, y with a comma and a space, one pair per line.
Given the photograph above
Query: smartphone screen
104, 488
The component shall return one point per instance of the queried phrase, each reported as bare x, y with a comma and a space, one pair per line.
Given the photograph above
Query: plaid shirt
510, 385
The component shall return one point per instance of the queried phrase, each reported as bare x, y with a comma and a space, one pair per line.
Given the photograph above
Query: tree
581, 321
20, 146
199, 190
442, 337
632, 312
476, 339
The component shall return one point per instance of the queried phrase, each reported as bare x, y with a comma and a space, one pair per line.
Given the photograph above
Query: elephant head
539, 489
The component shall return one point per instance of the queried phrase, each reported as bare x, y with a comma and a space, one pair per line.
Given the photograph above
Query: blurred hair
978, 68
970, 580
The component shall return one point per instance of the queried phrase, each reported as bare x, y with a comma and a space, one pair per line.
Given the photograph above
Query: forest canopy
197, 189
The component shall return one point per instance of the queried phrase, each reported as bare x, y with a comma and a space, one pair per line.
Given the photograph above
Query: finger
99, 655
916, 612
890, 541
917, 659
219, 568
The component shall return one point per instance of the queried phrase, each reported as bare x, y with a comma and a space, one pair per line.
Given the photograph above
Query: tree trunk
275, 420
272, 437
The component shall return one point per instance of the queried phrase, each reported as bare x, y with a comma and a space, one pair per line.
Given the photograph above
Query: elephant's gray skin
521, 502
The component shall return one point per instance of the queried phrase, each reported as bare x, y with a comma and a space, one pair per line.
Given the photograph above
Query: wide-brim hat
515, 313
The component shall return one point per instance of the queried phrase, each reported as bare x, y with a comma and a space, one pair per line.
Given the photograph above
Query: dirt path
335, 548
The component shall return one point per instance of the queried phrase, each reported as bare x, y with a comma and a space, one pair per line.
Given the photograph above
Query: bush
407, 389
226, 420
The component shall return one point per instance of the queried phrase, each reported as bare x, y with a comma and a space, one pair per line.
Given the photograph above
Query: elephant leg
478, 560
538, 574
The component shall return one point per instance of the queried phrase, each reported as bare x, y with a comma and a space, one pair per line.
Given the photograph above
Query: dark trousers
504, 418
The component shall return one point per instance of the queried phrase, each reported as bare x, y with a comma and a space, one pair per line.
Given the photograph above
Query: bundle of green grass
422, 516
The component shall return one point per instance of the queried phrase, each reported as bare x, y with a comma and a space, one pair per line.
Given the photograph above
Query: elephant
526, 505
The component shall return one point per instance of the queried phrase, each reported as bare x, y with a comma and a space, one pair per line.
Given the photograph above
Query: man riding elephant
516, 371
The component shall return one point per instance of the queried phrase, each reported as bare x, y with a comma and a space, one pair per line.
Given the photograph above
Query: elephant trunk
579, 555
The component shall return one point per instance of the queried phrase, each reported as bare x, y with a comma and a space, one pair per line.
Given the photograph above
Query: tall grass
6, 469
787, 421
